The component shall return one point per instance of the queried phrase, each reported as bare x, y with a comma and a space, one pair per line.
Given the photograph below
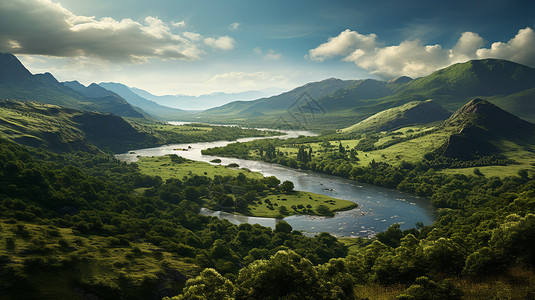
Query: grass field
295, 199
165, 168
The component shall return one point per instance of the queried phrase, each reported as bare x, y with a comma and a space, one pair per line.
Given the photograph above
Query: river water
378, 207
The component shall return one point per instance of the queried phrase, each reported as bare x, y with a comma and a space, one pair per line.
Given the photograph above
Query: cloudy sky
199, 47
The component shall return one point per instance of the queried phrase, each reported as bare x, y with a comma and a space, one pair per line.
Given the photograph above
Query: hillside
344, 103
64, 129
17, 83
277, 104
412, 113
482, 128
154, 109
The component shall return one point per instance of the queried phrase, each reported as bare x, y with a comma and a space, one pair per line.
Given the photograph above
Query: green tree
283, 226
287, 186
286, 275
208, 285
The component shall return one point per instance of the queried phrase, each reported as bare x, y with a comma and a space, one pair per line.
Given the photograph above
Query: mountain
151, 107
65, 129
412, 113
275, 110
343, 103
199, 102
454, 85
482, 128
17, 83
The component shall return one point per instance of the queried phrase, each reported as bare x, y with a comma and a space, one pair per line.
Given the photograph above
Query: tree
192, 193
287, 186
391, 236
283, 226
324, 210
424, 289
341, 148
477, 172
208, 285
271, 181
286, 275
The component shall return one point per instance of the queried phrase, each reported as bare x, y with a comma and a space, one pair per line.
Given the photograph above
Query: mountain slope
282, 102
151, 107
17, 83
412, 113
64, 129
482, 128
346, 102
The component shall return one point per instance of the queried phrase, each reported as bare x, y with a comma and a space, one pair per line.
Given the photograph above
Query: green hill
64, 129
17, 83
344, 103
412, 113
482, 128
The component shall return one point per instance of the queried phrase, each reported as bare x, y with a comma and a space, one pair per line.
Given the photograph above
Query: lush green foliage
94, 196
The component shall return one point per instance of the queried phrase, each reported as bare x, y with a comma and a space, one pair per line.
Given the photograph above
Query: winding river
378, 207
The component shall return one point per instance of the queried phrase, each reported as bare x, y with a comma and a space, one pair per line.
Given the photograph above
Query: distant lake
378, 207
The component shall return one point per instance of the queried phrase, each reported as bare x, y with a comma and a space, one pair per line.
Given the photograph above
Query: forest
80, 214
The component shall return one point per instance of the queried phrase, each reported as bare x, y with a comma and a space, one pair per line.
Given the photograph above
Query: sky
207, 46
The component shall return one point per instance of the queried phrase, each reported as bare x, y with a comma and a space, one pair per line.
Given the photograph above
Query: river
378, 207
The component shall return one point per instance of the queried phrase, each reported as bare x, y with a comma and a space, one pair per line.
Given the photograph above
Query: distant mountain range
341, 103
331, 103
151, 107
16, 82
201, 102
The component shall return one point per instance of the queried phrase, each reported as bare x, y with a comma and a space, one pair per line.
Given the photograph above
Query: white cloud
415, 59
192, 36
269, 55
234, 26
42, 27
223, 42
343, 44
520, 49
179, 24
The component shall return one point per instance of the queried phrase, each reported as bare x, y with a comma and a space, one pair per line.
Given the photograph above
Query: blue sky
198, 47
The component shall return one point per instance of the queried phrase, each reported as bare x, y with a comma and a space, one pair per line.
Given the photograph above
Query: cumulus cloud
223, 42
44, 27
414, 58
520, 49
343, 44
270, 54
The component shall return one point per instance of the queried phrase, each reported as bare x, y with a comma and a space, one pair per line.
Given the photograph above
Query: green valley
77, 223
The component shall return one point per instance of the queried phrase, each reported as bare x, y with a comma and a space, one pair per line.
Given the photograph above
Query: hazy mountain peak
400, 80
11, 69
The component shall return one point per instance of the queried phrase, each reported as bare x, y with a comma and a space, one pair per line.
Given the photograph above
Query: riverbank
274, 204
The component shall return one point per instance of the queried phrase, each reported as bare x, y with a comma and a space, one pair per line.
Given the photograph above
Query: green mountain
154, 109
481, 128
412, 113
454, 85
343, 103
17, 83
65, 129
278, 104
